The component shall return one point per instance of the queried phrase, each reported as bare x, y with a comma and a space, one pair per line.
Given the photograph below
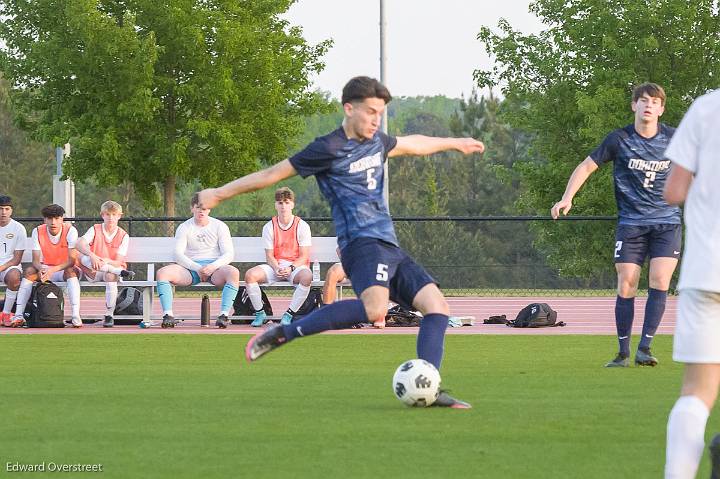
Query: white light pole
63, 191
383, 80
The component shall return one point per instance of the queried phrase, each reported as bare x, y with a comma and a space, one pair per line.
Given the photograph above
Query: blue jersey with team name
640, 170
350, 174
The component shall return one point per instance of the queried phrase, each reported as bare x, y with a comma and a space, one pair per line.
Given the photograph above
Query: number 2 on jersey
371, 182
649, 178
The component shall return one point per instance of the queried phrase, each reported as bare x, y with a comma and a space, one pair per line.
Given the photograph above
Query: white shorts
2, 275
272, 277
697, 333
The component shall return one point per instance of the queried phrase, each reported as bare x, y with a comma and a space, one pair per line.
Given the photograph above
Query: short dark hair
195, 199
284, 193
359, 88
53, 211
652, 89
5, 200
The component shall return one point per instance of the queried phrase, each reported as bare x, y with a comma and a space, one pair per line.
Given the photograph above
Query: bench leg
147, 303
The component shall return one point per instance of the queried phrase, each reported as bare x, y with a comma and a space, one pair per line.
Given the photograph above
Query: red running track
583, 315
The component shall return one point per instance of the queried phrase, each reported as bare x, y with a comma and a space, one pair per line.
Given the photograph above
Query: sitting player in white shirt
103, 249
12, 246
203, 251
287, 240
53, 259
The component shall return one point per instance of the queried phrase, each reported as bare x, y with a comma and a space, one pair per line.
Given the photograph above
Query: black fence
469, 256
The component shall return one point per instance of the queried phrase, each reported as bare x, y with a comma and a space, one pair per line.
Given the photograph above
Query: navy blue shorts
634, 243
370, 261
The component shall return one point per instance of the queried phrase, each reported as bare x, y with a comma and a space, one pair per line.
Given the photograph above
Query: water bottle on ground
205, 311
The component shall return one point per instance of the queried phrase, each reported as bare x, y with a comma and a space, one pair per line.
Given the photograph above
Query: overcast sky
431, 44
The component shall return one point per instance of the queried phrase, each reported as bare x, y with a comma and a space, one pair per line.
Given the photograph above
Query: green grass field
188, 406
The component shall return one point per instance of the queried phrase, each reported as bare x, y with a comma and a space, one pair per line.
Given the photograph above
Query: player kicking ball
348, 166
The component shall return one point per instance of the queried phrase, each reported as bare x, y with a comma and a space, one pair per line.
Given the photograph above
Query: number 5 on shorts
618, 247
382, 274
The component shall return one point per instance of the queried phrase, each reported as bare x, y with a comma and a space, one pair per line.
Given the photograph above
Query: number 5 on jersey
382, 272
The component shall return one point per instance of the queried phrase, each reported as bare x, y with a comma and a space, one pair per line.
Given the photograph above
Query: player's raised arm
417, 145
211, 197
577, 179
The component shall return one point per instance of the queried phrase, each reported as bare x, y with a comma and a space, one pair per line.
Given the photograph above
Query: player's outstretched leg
339, 315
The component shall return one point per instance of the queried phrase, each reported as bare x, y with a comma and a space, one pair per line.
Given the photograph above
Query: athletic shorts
373, 262
635, 243
273, 278
697, 333
5, 272
194, 274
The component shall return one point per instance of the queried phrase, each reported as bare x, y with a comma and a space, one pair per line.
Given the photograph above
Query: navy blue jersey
640, 170
350, 175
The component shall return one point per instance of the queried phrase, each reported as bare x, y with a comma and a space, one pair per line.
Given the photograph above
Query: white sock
73, 287
685, 437
10, 297
23, 296
299, 297
111, 293
108, 268
169, 312
255, 295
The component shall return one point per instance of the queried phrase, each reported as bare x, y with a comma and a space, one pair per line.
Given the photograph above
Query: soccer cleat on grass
168, 322
108, 322
287, 318
127, 275
446, 400
263, 343
6, 319
620, 361
222, 321
715, 457
260, 318
644, 357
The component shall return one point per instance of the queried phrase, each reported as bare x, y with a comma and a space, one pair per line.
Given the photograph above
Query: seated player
53, 259
287, 241
12, 246
102, 255
203, 251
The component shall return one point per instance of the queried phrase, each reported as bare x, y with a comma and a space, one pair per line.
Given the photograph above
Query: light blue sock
228, 297
165, 293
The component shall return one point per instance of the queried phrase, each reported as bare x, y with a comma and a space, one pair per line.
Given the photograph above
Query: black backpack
243, 307
397, 316
129, 303
45, 308
312, 302
535, 315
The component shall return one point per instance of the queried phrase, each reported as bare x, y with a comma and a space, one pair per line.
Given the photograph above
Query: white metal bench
153, 250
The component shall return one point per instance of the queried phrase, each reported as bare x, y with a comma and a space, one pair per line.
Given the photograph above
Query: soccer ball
416, 383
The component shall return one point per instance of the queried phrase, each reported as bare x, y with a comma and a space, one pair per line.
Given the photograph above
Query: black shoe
715, 457
644, 357
264, 342
446, 400
168, 322
108, 322
222, 322
620, 361
127, 275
